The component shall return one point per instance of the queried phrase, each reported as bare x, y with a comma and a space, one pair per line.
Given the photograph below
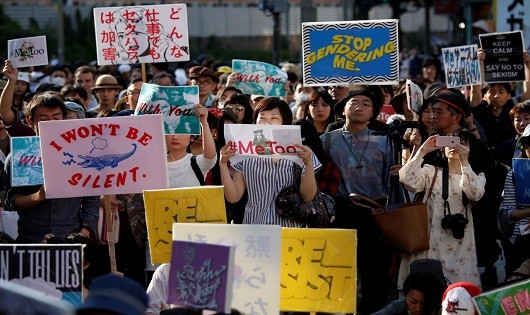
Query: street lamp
275, 7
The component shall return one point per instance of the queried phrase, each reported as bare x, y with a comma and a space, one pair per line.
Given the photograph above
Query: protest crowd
357, 141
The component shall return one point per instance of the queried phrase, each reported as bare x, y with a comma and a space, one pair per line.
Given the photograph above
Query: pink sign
103, 156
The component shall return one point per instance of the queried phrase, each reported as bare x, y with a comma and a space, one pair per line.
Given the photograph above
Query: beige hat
23, 76
106, 81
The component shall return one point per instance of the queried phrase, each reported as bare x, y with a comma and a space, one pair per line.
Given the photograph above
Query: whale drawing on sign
100, 162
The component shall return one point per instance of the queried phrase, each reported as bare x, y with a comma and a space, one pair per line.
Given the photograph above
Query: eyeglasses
199, 82
133, 92
237, 109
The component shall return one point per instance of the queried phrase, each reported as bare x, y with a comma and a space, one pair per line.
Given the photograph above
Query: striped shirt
364, 161
264, 178
509, 205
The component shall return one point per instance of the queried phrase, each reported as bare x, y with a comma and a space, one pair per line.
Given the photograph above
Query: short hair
85, 69
45, 99
272, 102
507, 86
521, 108
429, 285
163, 75
70, 88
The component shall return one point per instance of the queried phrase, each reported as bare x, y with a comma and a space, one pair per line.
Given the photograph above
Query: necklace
359, 161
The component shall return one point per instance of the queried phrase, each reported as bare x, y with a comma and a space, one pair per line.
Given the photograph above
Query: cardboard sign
28, 51
461, 66
142, 34
201, 276
362, 52
165, 207
319, 271
175, 103
256, 285
103, 156
521, 174
414, 96
56, 271
504, 60
26, 163
512, 17
263, 141
260, 78
508, 300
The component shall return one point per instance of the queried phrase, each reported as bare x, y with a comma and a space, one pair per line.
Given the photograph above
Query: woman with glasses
318, 110
240, 105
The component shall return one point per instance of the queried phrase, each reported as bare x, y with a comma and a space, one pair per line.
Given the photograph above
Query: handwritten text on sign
103, 156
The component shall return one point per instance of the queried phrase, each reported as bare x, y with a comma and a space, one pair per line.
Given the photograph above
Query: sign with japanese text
201, 276
508, 300
513, 15
103, 156
461, 66
28, 51
175, 103
26, 164
204, 204
263, 141
53, 270
504, 61
141, 34
414, 96
256, 287
260, 78
362, 52
319, 270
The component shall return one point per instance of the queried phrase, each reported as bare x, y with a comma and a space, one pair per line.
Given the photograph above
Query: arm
476, 90
526, 94
89, 214
28, 201
208, 144
157, 290
6, 100
234, 187
472, 185
412, 175
509, 202
308, 184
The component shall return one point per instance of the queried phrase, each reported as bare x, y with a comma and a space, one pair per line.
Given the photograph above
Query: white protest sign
103, 156
27, 51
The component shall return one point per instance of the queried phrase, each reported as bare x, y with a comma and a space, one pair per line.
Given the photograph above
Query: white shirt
180, 173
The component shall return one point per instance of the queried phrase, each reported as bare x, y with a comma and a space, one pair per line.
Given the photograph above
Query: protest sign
414, 96
521, 174
175, 103
362, 52
201, 276
26, 162
263, 141
28, 51
259, 78
56, 271
513, 17
204, 204
141, 34
386, 112
461, 66
508, 300
318, 270
103, 156
256, 287
504, 60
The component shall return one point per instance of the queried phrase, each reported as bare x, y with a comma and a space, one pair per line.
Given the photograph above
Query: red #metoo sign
103, 156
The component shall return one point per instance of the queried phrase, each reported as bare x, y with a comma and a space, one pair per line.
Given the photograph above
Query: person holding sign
257, 175
39, 215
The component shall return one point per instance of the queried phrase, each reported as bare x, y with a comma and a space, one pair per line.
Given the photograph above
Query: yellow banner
318, 270
203, 204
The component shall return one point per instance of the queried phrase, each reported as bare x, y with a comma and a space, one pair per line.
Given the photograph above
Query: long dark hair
314, 97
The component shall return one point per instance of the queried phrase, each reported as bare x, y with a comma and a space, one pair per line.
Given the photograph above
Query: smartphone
447, 141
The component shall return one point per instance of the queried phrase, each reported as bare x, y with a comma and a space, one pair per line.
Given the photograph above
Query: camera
457, 223
403, 124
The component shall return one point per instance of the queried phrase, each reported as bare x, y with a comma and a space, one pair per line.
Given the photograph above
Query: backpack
197, 170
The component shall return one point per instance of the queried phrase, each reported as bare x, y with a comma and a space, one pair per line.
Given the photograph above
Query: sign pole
110, 235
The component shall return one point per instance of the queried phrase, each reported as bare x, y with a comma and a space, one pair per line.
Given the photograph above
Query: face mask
221, 104
302, 97
58, 81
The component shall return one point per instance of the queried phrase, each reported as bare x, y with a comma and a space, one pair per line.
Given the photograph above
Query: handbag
319, 212
404, 226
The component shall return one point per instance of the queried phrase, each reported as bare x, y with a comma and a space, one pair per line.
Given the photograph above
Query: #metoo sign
103, 156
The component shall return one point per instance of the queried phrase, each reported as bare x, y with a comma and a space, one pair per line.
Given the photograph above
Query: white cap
458, 301
124, 68
23, 76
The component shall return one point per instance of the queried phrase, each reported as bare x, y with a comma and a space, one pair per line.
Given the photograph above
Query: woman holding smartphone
454, 186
